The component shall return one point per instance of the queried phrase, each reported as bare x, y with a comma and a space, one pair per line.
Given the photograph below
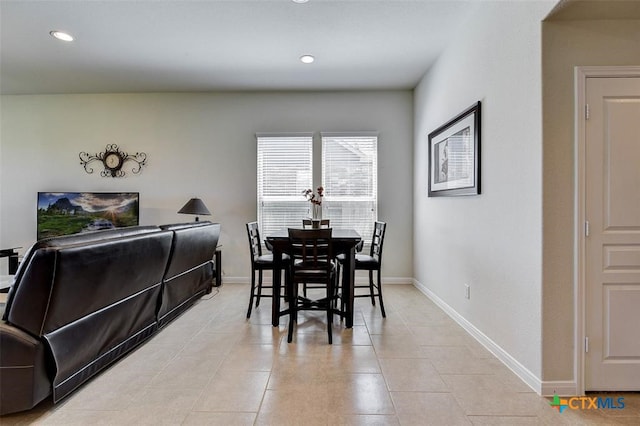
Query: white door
612, 245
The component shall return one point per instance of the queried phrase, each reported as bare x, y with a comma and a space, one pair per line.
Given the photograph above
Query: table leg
348, 280
218, 262
13, 264
275, 305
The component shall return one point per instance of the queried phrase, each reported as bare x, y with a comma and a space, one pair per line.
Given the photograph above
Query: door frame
581, 74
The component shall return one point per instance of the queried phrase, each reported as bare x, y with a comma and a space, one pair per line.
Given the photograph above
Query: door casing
580, 77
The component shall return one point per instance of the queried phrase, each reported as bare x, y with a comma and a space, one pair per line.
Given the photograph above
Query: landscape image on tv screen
62, 213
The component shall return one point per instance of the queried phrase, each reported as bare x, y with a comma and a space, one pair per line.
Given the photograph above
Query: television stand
12, 254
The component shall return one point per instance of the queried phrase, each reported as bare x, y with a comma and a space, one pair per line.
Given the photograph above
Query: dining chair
259, 263
308, 223
370, 262
312, 261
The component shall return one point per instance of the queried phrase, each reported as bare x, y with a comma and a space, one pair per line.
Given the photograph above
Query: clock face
112, 161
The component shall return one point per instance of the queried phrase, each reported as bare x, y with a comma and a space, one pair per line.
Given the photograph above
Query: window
349, 165
350, 179
285, 170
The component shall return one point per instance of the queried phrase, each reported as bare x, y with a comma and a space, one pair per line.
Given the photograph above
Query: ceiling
578, 10
217, 45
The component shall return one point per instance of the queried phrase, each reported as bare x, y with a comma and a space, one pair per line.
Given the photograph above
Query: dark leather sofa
81, 302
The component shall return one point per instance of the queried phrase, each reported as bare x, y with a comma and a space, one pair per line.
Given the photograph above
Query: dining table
344, 241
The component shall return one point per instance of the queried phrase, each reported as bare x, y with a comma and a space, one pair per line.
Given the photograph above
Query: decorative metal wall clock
113, 160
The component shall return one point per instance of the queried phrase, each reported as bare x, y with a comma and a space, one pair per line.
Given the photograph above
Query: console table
12, 254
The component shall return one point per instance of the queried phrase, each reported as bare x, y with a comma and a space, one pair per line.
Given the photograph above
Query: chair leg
330, 300
384, 314
343, 303
259, 288
371, 292
330, 323
253, 289
293, 309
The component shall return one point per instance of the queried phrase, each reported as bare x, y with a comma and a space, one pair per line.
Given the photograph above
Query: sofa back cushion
38, 264
189, 273
58, 271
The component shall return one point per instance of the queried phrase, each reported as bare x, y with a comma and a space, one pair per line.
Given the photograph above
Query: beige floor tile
109, 391
187, 372
439, 335
397, 346
290, 418
219, 419
353, 359
393, 324
412, 375
165, 399
504, 420
80, 418
425, 408
232, 390
209, 344
508, 378
261, 334
212, 366
363, 420
456, 360
149, 358
250, 357
477, 349
360, 394
484, 395
295, 402
297, 372
142, 416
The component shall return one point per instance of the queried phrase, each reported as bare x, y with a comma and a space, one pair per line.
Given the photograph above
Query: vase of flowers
315, 200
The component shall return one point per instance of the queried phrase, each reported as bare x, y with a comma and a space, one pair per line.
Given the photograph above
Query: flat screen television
62, 213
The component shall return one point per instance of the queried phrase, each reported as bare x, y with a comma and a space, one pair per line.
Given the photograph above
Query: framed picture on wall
454, 155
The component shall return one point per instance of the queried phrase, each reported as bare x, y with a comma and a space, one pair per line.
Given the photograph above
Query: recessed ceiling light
300, 1
61, 35
307, 59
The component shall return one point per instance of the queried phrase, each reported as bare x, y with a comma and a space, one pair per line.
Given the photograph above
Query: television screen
62, 213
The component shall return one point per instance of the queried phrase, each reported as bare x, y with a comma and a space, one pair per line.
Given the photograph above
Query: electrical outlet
467, 291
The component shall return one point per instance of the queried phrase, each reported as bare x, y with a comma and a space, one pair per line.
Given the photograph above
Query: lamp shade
195, 206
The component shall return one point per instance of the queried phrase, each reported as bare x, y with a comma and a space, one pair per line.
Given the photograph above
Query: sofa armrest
23, 372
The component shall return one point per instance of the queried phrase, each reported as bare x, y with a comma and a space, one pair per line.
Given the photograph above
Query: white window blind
285, 170
350, 179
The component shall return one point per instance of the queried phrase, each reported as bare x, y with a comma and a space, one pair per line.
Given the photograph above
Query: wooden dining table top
337, 234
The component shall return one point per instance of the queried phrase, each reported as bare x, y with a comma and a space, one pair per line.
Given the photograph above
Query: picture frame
454, 155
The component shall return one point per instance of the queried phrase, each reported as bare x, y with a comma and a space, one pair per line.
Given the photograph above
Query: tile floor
213, 367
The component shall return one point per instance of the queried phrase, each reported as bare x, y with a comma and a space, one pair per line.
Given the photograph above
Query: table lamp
195, 206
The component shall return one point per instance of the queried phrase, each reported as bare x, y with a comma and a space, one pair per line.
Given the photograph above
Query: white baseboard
520, 370
237, 280
560, 388
267, 276
397, 280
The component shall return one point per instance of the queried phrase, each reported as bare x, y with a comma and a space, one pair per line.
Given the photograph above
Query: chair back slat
378, 240
255, 244
311, 249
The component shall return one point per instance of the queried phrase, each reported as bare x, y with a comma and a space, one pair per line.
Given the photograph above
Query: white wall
492, 241
198, 145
